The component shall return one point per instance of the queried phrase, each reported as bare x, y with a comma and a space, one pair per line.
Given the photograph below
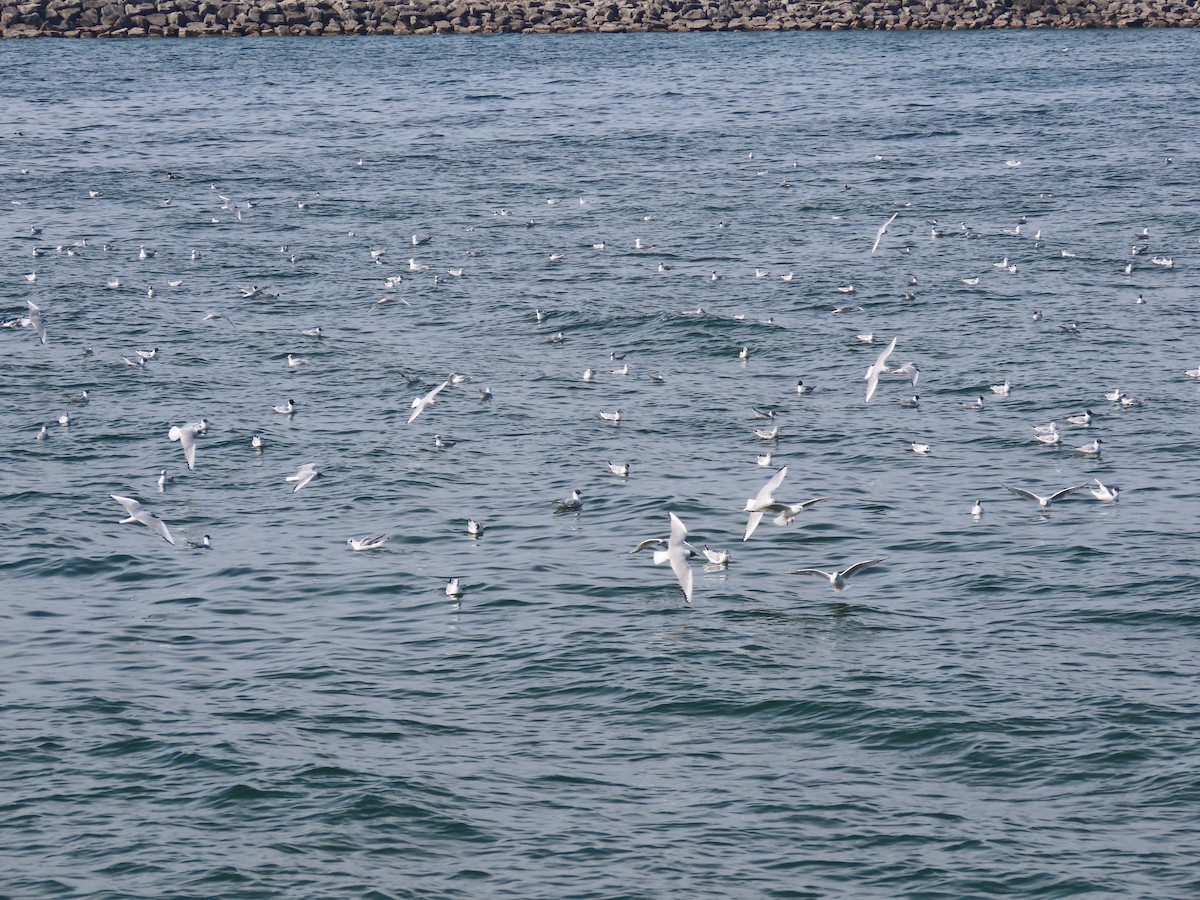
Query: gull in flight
908, 370
763, 502
420, 404
883, 229
677, 555
137, 515
1044, 502
877, 369
368, 543
186, 435
838, 579
35, 319
303, 476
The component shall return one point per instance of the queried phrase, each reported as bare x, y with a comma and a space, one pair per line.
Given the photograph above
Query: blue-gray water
1006, 706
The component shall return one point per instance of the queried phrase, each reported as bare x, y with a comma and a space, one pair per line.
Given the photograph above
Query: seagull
614, 416
883, 229
920, 449
368, 543
762, 501
1115, 394
186, 435
909, 370
147, 354
64, 420
288, 409
453, 588
1002, 389
624, 370
164, 479
81, 398
414, 266
35, 319
763, 413
771, 435
764, 460
43, 433
717, 557
256, 442
205, 543
137, 515
977, 403
295, 362
802, 388
1190, 373
588, 374
910, 402
677, 555
474, 528
574, 503
1037, 315
420, 404
1069, 327
877, 368
977, 509
622, 470
1084, 418
1044, 502
311, 332
440, 444
31, 277
1050, 438
838, 579
485, 393
846, 289
970, 282
303, 476
789, 511
744, 354
384, 301
1092, 449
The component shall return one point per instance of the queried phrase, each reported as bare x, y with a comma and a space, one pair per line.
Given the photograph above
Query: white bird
113, 282
977, 509
717, 557
762, 501
295, 362
186, 435
677, 555
137, 515
1050, 438
1002, 389
1044, 502
771, 435
368, 543
485, 393
164, 480
1013, 163
64, 420
883, 229
474, 528
1116, 394
789, 511
802, 388
838, 579
1084, 418
31, 277
1092, 449
614, 416
1190, 373
310, 332
35, 319
256, 442
622, 470
385, 301
453, 588
205, 543
920, 449
877, 369
909, 370
574, 503
764, 460
588, 374
846, 289
439, 443
43, 433
910, 402
977, 403
420, 404
970, 282
414, 266
303, 476
287, 409
744, 354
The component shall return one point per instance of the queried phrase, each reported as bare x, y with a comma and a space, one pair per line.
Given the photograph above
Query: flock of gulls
674, 549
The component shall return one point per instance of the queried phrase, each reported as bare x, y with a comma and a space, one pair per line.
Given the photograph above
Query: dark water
1005, 707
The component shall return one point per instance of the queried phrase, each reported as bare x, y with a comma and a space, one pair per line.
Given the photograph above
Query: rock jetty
209, 18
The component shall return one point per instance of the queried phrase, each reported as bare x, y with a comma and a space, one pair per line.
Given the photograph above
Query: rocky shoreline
207, 18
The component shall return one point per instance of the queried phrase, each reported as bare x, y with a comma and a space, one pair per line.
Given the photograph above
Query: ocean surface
1007, 705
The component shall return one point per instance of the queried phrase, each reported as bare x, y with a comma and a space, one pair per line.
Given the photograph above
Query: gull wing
649, 542
766, 493
752, 524
132, 507
874, 372
826, 575
678, 555
1065, 491
1028, 495
186, 435
158, 526
859, 566
881, 232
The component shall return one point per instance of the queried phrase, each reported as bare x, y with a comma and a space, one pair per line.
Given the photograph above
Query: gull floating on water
837, 580
622, 470
977, 509
1002, 389
474, 528
574, 503
368, 543
910, 402
1092, 449
614, 416
1084, 418
1107, 493
920, 449
719, 558
286, 409
205, 543
453, 588
137, 515
802, 388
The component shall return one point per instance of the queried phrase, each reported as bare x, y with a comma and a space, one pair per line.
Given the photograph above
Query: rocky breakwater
205, 18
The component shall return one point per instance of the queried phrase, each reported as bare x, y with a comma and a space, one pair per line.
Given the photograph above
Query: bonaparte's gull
877, 368
771, 435
453, 588
1044, 502
474, 528
838, 579
186, 435
762, 501
440, 443
1092, 449
1002, 389
920, 449
764, 459
910, 402
677, 555
588, 374
802, 388
287, 409
1107, 493
574, 503
420, 404
621, 470
883, 229
977, 509
368, 543
35, 319
303, 476
1084, 418
614, 416
80, 398
977, 403
137, 515
717, 557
